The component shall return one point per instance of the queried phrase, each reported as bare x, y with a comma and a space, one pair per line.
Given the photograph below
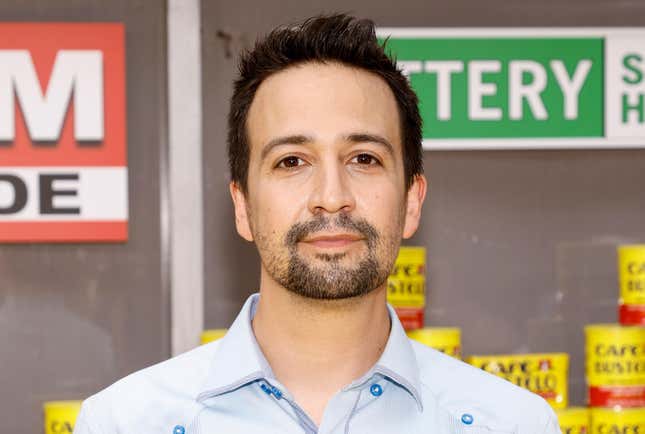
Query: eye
290, 162
366, 159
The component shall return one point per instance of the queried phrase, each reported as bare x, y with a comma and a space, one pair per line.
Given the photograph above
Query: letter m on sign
75, 72
63, 153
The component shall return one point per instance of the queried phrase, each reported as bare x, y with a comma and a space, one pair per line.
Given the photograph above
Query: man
326, 166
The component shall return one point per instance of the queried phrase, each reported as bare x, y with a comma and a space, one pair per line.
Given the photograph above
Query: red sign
63, 153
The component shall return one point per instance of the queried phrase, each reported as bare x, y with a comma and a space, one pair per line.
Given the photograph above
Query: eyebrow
297, 139
301, 139
373, 138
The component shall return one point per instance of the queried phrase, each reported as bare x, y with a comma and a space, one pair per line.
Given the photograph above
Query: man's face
326, 202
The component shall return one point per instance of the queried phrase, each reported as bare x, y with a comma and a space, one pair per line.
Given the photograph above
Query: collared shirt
228, 387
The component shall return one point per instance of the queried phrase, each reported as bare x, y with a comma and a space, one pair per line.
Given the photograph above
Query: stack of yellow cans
615, 354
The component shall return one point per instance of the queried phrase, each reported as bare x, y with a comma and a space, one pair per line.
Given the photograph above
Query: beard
331, 280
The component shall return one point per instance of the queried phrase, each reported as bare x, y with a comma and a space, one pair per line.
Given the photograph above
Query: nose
331, 190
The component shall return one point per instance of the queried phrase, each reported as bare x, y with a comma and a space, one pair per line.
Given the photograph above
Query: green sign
525, 88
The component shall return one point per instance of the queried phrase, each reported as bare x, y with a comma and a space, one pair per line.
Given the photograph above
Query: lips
332, 240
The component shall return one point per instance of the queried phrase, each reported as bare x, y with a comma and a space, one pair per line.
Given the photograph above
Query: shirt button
376, 390
467, 419
179, 430
276, 392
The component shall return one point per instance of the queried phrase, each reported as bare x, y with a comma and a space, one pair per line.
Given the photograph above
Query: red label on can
411, 318
631, 314
624, 396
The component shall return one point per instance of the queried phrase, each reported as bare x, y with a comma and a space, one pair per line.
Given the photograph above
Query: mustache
321, 222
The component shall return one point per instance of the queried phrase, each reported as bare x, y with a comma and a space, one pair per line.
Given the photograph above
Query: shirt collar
398, 363
239, 361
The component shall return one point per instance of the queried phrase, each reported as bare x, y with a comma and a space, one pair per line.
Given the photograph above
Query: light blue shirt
227, 387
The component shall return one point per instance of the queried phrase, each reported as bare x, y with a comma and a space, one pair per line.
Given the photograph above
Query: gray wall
521, 244
74, 318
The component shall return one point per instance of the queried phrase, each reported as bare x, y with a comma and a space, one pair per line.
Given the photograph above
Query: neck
319, 345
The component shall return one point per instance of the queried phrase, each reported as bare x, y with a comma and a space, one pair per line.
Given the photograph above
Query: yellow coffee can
60, 416
406, 286
444, 339
545, 374
615, 359
211, 335
574, 420
617, 420
631, 279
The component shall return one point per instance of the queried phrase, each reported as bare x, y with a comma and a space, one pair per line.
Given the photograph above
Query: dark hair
333, 38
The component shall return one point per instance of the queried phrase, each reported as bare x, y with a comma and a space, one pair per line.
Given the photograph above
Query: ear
416, 195
241, 214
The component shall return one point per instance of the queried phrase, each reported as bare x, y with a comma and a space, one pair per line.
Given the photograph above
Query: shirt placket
344, 406
283, 400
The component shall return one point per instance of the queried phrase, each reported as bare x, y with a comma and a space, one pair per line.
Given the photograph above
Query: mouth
333, 241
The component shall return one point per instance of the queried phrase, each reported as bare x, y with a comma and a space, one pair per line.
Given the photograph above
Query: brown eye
289, 162
365, 159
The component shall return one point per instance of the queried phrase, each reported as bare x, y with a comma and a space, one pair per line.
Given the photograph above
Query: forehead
323, 101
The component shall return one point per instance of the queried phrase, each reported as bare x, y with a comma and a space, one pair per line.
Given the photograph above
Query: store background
521, 244
74, 318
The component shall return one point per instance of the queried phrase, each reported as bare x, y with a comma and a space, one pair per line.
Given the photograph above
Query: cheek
275, 211
381, 206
